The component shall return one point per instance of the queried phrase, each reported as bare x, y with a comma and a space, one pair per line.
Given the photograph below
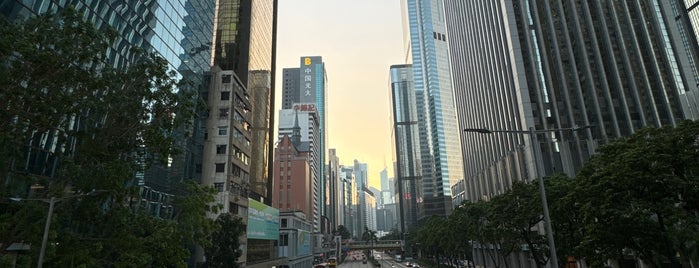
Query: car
407, 264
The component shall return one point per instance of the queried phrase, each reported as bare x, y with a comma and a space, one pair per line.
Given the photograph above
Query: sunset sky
358, 40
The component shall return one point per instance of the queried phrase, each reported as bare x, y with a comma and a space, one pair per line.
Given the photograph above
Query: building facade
348, 198
432, 77
406, 135
369, 209
360, 183
244, 43
307, 85
294, 239
188, 37
301, 123
292, 181
333, 190
616, 66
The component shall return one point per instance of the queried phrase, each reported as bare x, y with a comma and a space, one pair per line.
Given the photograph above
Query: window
223, 112
226, 78
284, 223
284, 240
218, 186
221, 149
222, 130
225, 95
220, 167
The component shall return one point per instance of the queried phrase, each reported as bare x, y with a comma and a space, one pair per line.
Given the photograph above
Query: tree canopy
83, 124
638, 196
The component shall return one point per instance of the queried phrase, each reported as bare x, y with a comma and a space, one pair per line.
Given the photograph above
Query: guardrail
380, 244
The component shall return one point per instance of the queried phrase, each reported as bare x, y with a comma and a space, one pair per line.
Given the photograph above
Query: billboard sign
263, 221
304, 242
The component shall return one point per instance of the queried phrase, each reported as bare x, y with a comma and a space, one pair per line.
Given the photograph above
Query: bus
332, 262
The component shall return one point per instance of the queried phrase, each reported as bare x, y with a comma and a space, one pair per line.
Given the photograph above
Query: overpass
378, 245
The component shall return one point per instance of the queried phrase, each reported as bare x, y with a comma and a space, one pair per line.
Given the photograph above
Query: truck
399, 258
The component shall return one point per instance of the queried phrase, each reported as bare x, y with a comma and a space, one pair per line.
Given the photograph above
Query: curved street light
539, 176
52, 201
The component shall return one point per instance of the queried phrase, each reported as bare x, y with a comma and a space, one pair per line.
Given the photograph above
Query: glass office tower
617, 66
244, 43
406, 136
432, 77
180, 31
307, 85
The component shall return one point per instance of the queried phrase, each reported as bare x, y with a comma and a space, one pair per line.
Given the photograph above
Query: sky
359, 40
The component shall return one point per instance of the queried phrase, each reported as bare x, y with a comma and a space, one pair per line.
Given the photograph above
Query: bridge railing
376, 244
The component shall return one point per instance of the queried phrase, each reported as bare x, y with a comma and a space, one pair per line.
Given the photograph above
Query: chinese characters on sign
307, 79
305, 107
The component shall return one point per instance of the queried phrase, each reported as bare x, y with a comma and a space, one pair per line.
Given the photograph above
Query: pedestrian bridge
378, 245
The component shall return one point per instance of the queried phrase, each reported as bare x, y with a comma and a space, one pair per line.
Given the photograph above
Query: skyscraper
360, 184
432, 79
332, 199
348, 197
406, 136
307, 84
243, 48
518, 65
144, 25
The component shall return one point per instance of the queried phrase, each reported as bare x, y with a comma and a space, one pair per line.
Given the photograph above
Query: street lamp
52, 201
539, 176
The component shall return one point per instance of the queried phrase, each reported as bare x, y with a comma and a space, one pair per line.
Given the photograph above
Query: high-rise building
244, 44
186, 27
303, 118
348, 197
406, 135
369, 210
333, 191
360, 183
686, 14
617, 66
385, 195
307, 84
432, 80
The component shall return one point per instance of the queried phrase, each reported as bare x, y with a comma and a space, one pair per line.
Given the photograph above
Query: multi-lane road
384, 259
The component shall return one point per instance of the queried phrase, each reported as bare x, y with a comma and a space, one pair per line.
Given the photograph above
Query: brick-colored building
292, 177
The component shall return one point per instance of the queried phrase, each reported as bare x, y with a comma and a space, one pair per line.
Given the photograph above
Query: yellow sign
307, 61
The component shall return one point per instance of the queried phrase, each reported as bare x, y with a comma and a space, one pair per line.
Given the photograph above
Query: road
384, 259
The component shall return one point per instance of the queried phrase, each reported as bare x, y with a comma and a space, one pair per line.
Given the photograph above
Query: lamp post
52, 201
539, 176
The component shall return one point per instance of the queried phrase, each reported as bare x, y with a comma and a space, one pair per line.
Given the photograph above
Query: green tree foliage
637, 196
109, 124
369, 235
512, 218
640, 193
344, 232
394, 234
224, 248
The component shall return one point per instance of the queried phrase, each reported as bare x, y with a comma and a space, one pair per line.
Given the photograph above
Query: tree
394, 234
369, 235
97, 126
640, 194
565, 215
224, 249
344, 232
512, 217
